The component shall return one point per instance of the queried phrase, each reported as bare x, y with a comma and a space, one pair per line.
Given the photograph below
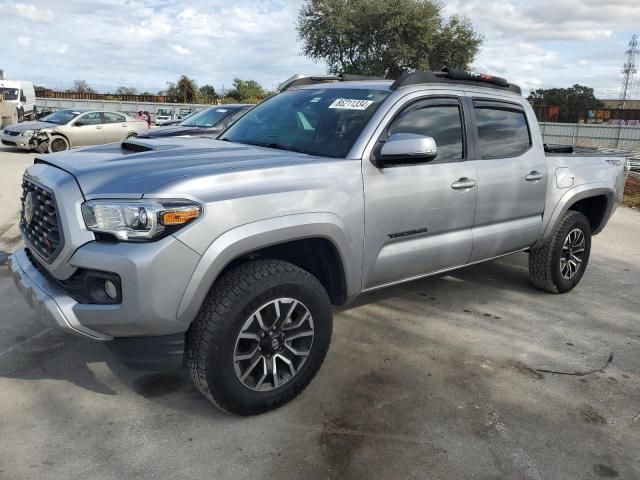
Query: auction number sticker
350, 104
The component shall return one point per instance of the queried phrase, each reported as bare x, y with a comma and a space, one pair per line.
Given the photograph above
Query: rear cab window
503, 130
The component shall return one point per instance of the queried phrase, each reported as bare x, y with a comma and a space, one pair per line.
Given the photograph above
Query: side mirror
78, 123
23, 99
406, 149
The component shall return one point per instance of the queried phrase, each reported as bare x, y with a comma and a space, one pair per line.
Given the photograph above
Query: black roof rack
448, 75
299, 80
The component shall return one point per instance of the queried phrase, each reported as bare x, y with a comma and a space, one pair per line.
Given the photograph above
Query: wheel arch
319, 246
596, 202
58, 134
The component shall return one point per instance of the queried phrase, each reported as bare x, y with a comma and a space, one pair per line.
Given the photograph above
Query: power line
629, 69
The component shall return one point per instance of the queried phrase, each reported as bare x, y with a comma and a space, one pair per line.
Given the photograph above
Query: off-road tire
232, 299
544, 261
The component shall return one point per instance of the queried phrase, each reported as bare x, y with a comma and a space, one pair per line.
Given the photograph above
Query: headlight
28, 133
135, 220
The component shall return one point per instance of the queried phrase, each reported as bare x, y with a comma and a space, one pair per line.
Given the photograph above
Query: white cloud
536, 43
28, 11
180, 50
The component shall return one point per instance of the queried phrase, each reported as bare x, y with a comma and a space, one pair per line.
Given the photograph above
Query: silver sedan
73, 128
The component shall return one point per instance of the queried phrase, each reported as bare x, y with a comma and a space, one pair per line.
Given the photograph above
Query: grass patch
631, 200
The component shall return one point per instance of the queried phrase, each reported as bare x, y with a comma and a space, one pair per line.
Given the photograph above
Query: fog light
110, 289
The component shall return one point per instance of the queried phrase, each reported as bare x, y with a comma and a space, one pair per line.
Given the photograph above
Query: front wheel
260, 337
58, 144
558, 265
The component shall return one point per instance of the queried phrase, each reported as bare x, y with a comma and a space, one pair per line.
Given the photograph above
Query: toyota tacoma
227, 255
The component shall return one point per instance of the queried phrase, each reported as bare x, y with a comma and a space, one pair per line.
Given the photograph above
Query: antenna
629, 68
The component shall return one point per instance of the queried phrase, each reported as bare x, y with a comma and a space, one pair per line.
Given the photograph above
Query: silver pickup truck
227, 255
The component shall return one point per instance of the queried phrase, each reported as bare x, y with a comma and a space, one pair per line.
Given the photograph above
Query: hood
179, 130
21, 127
133, 168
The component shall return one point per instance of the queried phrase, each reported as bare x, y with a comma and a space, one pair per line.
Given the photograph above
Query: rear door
115, 127
512, 178
87, 130
418, 218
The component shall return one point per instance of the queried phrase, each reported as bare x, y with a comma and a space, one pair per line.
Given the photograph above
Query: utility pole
629, 68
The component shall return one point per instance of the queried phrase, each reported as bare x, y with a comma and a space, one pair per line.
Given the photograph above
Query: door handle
98, 127
534, 176
463, 184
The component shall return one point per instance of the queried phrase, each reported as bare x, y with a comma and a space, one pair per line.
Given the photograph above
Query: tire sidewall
221, 375
58, 139
578, 221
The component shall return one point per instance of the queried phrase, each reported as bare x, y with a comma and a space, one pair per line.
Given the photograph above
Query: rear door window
503, 131
110, 117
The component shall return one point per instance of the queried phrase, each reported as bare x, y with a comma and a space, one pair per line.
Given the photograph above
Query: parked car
162, 115
22, 94
230, 253
167, 123
65, 129
210, 121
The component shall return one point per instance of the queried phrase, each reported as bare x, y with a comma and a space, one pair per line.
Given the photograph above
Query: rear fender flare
575, 195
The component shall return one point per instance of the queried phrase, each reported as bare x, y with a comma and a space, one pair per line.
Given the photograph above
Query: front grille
13, 134
39, 221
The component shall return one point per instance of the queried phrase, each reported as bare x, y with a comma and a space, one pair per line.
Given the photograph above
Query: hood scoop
136, 147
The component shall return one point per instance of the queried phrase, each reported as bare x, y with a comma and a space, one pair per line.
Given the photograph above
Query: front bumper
17, 141
154, 277
47, 298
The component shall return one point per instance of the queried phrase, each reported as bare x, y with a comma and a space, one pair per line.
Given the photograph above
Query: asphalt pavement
470, 375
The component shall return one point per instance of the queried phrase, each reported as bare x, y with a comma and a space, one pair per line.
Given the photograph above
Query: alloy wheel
273, 344
572, 254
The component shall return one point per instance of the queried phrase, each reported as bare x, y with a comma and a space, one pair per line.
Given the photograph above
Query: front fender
264, 233
574, 195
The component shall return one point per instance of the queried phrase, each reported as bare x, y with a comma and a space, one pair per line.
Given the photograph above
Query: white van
21, 93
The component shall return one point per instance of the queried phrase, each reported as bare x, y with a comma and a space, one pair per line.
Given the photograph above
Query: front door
87, 130
512, 179
418, 218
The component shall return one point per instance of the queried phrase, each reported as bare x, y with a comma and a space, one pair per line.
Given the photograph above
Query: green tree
246, 91
81, 86
185, 90
207, 94
382, 38
572, 101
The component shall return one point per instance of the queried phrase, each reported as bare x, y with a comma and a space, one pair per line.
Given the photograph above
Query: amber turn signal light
178, 217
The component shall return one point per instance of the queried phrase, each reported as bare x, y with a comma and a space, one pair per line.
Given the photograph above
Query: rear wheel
558, 265
260, 337
58, 144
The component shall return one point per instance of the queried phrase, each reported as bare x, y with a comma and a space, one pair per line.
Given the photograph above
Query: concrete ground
436, 379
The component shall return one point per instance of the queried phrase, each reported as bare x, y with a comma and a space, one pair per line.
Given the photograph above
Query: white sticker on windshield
315, 100
221, 110
350, 104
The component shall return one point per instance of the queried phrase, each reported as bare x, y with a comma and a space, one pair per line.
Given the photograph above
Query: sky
145, 43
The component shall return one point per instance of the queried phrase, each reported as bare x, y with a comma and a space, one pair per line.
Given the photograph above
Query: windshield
206, 118
319, 121
9, 93
164, 111
61, 117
